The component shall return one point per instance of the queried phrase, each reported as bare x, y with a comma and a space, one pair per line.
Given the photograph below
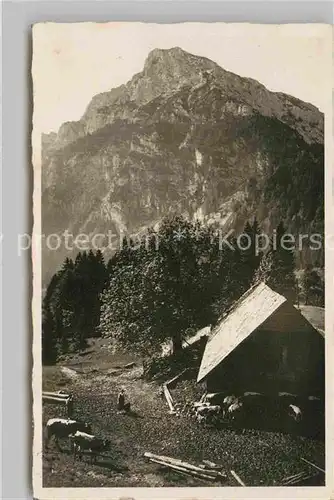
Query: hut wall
285, 354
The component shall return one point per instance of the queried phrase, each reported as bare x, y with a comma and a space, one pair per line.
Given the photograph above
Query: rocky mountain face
184, 136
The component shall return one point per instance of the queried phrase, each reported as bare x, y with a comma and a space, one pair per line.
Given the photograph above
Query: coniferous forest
173, 281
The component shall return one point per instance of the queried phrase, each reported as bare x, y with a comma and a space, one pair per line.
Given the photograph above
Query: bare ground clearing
259, 458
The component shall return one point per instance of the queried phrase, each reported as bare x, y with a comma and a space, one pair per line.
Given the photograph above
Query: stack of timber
300, 479
59, 397
204, 472
305, 478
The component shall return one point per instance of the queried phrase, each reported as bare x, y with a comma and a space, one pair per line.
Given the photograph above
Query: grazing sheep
295, 413
207, 409
82, 441
215, 398
207, 413
281, 402
235, 412
61, 428
201, 418
229, 400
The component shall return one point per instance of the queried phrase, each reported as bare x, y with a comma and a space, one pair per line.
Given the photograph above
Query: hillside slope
184, 136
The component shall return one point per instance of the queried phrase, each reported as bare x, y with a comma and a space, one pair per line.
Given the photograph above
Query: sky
72, 62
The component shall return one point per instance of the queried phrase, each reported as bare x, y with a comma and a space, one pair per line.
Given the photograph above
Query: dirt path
69, 372
260, 458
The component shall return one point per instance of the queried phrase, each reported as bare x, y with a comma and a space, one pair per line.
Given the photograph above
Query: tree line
174, 281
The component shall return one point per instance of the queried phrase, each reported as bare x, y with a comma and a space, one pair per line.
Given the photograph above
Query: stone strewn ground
260, 458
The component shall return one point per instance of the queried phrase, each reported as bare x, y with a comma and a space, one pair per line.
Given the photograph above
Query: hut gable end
251, 311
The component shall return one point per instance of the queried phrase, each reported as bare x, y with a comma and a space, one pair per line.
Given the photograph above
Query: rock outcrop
184, 136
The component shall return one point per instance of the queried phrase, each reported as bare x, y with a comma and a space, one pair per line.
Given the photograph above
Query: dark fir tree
71, 306
277, 266
248, 254
313, 287
49, 339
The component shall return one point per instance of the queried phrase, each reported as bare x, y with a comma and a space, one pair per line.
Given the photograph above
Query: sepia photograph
179, 256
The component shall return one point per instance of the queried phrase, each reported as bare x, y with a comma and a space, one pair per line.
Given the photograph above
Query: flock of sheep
79, 435
251, 409
255, 409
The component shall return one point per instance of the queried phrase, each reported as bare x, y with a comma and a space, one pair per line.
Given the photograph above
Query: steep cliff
184, 136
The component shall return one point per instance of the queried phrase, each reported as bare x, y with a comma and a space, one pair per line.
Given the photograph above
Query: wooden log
180, 463
56, 394
174, 379
294, 481
288, 480
294, 476
179, 468
212, 465
168, 398
64, 398
313, 465
183, 470
301, 480
53, 399
49, 399
168, 395
237, 478
180, 471
189, 474
130, 365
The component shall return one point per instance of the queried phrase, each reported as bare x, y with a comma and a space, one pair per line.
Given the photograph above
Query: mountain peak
172, 51
165, 72
175, 57
158, 53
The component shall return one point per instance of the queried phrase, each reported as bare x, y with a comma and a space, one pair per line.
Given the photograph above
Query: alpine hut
264, 344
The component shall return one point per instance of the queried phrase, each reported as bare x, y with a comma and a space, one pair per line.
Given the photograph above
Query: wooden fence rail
59, 398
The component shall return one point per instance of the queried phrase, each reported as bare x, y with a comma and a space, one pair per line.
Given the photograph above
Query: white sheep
235, 411
295, 413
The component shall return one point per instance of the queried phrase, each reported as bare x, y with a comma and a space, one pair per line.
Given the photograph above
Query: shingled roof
315, 316
248, 313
